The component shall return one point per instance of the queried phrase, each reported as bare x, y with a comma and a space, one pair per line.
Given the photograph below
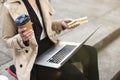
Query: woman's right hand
25, 35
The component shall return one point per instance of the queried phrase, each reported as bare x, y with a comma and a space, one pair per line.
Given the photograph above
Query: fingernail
25, 28
31, 30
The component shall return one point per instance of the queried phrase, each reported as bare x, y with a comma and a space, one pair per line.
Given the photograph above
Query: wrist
63, 26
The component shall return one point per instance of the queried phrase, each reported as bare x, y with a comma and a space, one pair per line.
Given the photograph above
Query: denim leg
70, 72
87, 55
66, 72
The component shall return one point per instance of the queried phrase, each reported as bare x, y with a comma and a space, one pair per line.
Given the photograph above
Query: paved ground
109, 60
105, 13
99, 12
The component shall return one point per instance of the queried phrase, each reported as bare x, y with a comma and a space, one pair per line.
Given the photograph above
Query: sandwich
78, 21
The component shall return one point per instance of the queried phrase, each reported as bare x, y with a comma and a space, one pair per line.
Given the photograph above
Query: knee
85, 55
92, 54
90, 49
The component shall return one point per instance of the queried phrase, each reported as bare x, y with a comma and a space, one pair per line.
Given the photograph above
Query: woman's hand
25, 35
66, 26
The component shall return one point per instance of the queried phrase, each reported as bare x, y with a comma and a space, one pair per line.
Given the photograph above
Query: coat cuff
57, 26
18, 42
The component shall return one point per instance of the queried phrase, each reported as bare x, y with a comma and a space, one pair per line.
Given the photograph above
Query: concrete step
105, 15
109, 60
106, 34
4, 72
99, 12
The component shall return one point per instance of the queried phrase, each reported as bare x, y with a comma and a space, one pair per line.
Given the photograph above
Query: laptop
58, 54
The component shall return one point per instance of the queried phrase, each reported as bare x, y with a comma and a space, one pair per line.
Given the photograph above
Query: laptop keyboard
60, 55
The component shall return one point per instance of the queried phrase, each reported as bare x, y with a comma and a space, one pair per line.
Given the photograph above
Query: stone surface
99, 12
4, 72
104, 13
109, 60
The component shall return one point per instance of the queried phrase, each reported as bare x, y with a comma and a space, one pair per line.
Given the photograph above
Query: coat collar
17, 9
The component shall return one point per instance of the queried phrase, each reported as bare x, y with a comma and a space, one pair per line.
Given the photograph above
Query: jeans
87, 55
66, 72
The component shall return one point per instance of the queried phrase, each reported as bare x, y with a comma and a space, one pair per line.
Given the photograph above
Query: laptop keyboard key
60, 55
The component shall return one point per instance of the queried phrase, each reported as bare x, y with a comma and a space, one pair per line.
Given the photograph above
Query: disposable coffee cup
23, 21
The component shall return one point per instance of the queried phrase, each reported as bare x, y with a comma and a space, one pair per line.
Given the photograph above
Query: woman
28, 45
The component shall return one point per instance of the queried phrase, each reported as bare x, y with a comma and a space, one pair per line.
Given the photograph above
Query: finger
67, 21
21, 30
64, 24
27, 37
75, 25
27, 32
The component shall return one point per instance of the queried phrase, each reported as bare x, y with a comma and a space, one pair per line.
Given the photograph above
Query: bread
78, 21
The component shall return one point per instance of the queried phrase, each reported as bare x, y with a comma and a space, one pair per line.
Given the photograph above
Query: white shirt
43, 35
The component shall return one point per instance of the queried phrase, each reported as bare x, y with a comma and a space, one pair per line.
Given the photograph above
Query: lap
70, 72
66, 72
85, 54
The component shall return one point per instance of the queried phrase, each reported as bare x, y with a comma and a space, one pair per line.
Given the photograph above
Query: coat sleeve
57, 26
9, 30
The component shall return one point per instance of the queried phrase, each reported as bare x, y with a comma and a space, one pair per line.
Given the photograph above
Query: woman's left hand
65, 24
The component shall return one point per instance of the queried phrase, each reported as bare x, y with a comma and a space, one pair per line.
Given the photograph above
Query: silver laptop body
57, 55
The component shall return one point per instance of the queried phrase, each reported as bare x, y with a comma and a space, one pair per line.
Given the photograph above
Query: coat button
26, 51
21, 65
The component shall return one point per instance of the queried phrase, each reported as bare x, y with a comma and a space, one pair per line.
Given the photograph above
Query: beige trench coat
23, 56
